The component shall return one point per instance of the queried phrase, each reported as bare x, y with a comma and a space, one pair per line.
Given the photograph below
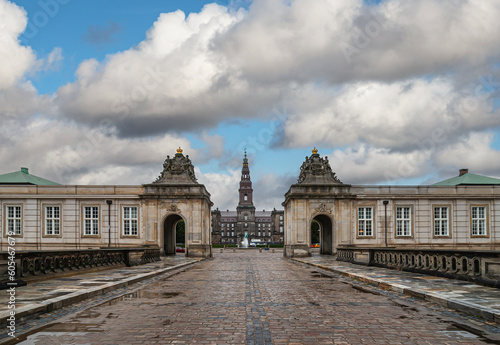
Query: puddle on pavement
360, 289
90, 284
317, 274
462, 331
39, 297
55, 330
88, 314
148, 294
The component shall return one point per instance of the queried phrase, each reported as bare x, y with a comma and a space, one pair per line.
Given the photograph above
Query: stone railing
35, 263
478, 266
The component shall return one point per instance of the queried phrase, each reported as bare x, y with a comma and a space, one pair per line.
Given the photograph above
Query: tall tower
245, 185
245, 209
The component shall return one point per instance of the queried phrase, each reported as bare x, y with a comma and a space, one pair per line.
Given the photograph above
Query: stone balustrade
44, 262
478, 266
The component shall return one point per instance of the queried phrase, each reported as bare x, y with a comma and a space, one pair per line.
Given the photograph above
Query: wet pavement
247, 297
43, 294
468, 297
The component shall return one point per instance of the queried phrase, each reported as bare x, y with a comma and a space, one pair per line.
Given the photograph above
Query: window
258, 233
91, 220
232, 225
222, 233
14, 220
52, 220
281, 217
281, 229
478, 220
232, 233
403, 221
441, 221
130, 220
269, 233
268, 225
365, 221
246, 217
259, 225
245, 197
246, 225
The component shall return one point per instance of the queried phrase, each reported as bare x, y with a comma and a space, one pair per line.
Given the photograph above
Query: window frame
433, 225
123, 220
83, 218
410, 235
45, 219
486, 221
372, 219
6, 220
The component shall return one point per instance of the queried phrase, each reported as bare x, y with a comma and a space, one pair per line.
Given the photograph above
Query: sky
393, 92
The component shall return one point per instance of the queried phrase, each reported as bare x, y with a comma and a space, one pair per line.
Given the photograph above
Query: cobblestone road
254, 298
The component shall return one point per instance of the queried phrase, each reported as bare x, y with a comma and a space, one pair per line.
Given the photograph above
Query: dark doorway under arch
326, 234
169, 238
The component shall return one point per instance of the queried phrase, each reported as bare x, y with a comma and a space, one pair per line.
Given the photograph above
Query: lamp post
385, 211
109, 202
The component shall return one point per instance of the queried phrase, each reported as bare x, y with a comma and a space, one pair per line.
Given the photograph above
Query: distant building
230, 227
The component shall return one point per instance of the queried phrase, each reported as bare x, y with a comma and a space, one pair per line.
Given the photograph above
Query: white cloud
223, 188
402, 115
475, 153
16, 59
304, 40
195, 71
73, 154
364, 164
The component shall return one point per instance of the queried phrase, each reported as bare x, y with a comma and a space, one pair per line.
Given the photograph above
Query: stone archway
320, 195
169, 235
326, 234
177, 194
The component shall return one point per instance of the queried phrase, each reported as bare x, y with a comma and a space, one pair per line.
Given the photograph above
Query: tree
180, 232
314, 232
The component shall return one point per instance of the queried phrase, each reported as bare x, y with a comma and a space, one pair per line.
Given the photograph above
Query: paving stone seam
78, 296
258, 331
466, 307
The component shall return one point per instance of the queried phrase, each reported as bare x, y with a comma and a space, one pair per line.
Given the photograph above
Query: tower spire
245, 190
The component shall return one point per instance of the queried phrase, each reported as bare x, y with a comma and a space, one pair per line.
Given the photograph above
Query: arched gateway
176, 195
317, 195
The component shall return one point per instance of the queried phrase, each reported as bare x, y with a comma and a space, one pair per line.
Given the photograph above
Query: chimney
463, 172
24, 170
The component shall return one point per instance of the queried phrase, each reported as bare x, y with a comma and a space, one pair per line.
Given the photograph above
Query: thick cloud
19, 100
195, 71
364, 164
399, 116
72, 154
345, 41
16, 59
474, 152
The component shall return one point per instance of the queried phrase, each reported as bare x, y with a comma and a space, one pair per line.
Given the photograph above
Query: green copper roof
468, 179
23, 177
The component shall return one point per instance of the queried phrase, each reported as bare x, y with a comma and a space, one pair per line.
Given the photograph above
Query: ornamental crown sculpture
317, 170
178, 170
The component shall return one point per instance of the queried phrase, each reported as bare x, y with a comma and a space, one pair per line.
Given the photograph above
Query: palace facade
230, 227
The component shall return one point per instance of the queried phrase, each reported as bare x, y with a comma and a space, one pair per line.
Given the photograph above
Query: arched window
245, 197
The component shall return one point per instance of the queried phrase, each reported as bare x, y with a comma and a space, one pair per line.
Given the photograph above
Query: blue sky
100, 92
